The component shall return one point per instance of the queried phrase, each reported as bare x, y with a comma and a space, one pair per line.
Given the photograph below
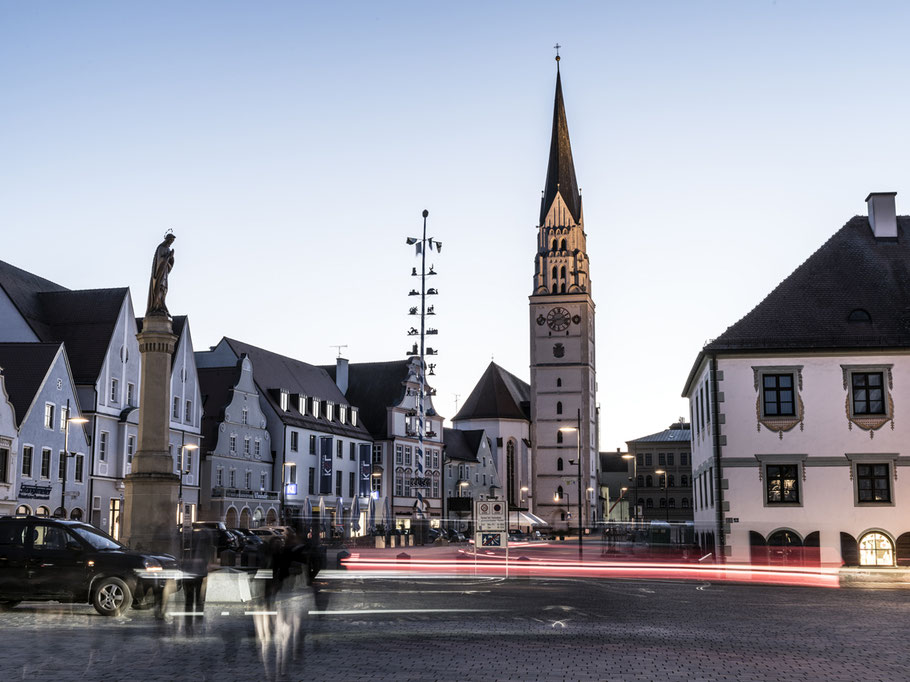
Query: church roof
374, 387
561, 168
498, 395
853, 292
462, 445
24, 367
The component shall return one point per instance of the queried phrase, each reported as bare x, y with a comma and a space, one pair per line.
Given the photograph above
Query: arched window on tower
563, 245
559, 437
554, 287
559, 492
559, 464
641, 481
554, 272
559, 407
562, 288
562, 272
558, 382
554, 245
649, 482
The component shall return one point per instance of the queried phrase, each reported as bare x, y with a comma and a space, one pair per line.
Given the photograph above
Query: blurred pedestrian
196, 570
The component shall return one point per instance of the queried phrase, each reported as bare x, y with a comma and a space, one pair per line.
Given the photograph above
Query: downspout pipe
718, 474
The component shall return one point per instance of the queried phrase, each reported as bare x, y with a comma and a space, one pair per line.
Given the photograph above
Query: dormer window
315, 408
342, 414
301, 404
284, 400
354, 416
329, 408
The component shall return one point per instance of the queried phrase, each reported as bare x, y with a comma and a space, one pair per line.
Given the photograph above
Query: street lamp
634, 479
666, 492
622, 492
66, 451
577, 462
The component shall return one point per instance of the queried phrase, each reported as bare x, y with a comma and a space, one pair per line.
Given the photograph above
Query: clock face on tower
558, 319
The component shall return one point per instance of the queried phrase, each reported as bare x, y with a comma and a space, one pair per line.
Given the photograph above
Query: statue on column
161, 267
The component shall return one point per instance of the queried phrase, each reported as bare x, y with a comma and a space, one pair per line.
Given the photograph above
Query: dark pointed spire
560, 169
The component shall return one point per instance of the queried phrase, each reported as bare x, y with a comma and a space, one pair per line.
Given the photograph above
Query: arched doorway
758, 549
23, 510
76, 514
245, 518
784, 548
903, 550
812, 549
876, 549
271, 517
230, 518
849, 550
42, 511
257, 517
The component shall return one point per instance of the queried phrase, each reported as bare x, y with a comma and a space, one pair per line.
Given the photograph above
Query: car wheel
112, 596
7, 604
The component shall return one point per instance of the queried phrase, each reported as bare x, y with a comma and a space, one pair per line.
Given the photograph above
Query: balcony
243, 493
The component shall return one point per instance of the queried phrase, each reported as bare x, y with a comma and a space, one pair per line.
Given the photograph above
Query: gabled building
386, 396
9, 448
319, 444
500, 405
470, 474
237, 466
798, 439
40, 388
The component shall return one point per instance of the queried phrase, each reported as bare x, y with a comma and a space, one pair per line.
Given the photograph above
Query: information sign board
490, 515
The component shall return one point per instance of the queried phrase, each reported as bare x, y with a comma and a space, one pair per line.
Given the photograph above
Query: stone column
150, 498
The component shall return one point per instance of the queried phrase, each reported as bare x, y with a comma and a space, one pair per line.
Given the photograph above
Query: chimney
882, 215
341, 374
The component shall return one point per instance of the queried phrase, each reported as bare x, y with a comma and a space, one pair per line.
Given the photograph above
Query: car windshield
95, 538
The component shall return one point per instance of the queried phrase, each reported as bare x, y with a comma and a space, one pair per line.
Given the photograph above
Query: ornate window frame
779, 424
888, 458
799, 460
870, 423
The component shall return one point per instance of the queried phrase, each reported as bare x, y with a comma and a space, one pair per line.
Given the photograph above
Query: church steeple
560, 169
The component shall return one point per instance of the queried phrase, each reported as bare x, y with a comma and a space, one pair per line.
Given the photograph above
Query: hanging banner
325, 466
366, 469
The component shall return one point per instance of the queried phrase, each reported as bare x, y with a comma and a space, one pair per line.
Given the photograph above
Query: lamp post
66, 452
623, 491
634, 479
577, 430
661, 472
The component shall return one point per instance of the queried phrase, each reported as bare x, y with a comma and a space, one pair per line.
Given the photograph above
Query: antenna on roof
339, 348
457, 396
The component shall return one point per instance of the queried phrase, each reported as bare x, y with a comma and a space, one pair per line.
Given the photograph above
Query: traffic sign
490, 540
490, 515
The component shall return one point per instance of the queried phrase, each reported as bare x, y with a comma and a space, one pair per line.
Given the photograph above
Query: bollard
403, 557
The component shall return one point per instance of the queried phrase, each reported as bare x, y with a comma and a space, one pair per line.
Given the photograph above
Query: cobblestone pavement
480, 629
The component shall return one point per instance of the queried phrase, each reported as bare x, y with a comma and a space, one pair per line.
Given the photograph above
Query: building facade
797, 435
470, 474
660, 471
563, 376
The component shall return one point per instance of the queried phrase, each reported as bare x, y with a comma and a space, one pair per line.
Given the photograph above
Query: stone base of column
150, 512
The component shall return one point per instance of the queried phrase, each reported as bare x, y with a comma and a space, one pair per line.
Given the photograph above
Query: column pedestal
150, 495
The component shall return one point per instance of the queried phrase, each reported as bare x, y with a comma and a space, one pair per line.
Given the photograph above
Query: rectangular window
262, 480
4, 465
342, 414
399, 456
244, 416
435, 486
407, 455
352, 451
376, 484
45, 463
292, 473
339, 449
399, 484
670, 459
351, 490
710, 483
246, 447
248, 479
233, 444
782, 483
354, 416
377, 453
311, 483
315, 408
175, 413
312, 444
219, 476
873, 483
130, 394
27, 461
648, 459
61, 466
49, 416
188, 412
257, 449
130, 448
232, 478
640, 459
102, 446
80, 468
284, 401
661, 459
407, 485
294, 437
868, 393
777, 395
64, 416
683, 459
328, 410
338, 482
115, 391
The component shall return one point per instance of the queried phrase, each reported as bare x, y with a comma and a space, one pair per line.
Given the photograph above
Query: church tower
563, 382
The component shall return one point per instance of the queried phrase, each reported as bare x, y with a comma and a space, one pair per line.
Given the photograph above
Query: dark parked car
224, 539
44, 559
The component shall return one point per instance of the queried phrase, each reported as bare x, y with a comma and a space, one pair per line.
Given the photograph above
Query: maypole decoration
421, 482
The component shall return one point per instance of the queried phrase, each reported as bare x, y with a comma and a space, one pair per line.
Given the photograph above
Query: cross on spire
556, 47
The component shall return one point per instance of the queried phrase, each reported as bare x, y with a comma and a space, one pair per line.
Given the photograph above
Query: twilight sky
292, 146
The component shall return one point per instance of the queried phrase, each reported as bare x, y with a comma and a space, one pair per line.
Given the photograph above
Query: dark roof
674, 434
24, 366
612, 462
462, 445
272, 371
498, 395
374, 387
810, 309
561, 168
216, 385
84, 320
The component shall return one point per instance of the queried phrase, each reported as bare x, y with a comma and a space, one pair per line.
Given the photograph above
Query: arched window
559, 464
558, 437
554, 287
672, 503
672, 482
23, 510
641, 481
649, 482
562, 288
684, 481
554, 272
42, 511
558, 382
562, 272
650, 503
876, 549
559, 407
563, 245
554, 245
685, 503
663, 502
559, 492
